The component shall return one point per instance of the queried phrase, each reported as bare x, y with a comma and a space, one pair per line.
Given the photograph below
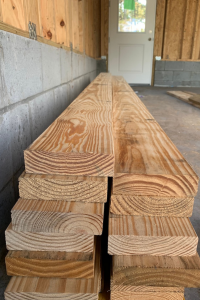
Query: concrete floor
181, 122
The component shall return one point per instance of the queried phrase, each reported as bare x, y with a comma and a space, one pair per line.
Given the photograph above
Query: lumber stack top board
61, 187
79, 141
58, 216
147, 163
138, 235
163, 271
188, 97
43, 241
35, 288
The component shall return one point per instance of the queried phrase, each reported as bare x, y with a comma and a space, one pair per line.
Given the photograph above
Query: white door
131, 39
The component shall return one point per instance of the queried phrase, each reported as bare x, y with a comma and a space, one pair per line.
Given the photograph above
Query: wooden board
159, 27
60, 187
61, 22
146, 296
140, 235
186, 97
13, 13
51, 264
147, 163
43, 241
151, 206
104, 27
35, 288
164, 271
144, 289
48, 22
58, 216
78, 142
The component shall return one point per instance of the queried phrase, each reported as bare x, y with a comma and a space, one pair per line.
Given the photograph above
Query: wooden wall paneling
196, 43
68, 10
47, 13
90, 27
159, 28
189, 29
32, 14
81, 25
104, 27
75, 24
97, 29
174, 29
86, 5
1, 15
61, 22
13, 13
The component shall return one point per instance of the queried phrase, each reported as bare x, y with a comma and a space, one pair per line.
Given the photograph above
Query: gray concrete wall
37, 82
177, 73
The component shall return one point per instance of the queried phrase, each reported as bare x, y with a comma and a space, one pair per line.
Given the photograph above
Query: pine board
35, 288
58, 216
140, 235
43, 241
151, 206
186, 97
51, 264
146, 296
65, 188
147, 163
78, 142
164, 271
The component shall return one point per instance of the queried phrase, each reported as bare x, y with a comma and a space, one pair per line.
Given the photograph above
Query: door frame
153, 56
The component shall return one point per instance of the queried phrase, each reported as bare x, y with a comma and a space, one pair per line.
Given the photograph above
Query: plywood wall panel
60, 21
75, 24
47, 14
13, 13
159, 28
69, 29
81, 24
97, 29
196, 43
174, 29
32, 15
91, 27
104, 27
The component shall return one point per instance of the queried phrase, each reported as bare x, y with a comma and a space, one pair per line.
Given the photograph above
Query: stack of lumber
53, 243
151, 240
188, 97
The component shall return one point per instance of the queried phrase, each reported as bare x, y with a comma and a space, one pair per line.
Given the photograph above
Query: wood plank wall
177, 32
61, 23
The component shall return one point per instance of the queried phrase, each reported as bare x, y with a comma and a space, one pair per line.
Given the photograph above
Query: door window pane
134, 18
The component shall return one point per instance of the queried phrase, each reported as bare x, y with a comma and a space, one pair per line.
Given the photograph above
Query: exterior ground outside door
131, 40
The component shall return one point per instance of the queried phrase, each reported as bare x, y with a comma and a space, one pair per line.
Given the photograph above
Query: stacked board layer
151, 240
79, 141
54, 239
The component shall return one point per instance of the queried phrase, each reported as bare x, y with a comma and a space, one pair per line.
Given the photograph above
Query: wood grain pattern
58, 216
43, 241
147, 163
47, 13
31, 11
78, 142
51, 264
151, 206
144, 289
151, 271
61, 22
21, 288
159, 27
104, 27
13, 13
146, 296
60, 187
140, 235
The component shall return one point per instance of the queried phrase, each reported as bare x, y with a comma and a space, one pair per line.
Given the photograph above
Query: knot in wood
62, 23
49, 34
